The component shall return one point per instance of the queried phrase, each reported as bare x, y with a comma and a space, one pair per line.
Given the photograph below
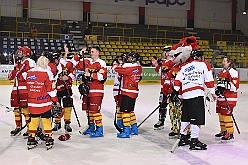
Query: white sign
4, 71
167, 4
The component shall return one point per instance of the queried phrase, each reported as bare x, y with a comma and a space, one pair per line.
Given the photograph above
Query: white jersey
116, 85
192, 77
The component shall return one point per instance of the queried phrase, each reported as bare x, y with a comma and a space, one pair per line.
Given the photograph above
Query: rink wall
149, 76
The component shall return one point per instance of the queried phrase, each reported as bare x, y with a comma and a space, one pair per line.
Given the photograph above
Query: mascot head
183, 49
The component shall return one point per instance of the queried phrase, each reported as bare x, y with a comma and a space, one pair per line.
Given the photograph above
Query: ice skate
220, 135
25, 135
159, 125
56, 127
227, 138
15, 132
97, 133
49, 142
89, 130
32, 143
68, 127
184, 140
173, 135
134, 129
195, 144
125, 133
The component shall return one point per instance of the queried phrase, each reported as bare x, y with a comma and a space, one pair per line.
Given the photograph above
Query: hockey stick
68, 92
229, 109
118, 97
8, 109
152, 113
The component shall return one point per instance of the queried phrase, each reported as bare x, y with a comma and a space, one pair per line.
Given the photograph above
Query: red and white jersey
192, 78
166, 64
131, 77
116, 84
21, 68
232, 94
53, 68
169, 85
65, 66
41, 90
99, 74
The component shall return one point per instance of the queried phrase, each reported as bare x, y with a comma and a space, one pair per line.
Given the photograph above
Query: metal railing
237, 36
216, 21
40, 35
171, 19
117, 16
44, 11
244, 29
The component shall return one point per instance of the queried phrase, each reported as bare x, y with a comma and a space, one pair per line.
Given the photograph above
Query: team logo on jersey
32, 77
235, 81
101, 71
192, 67
135, 71
53, 85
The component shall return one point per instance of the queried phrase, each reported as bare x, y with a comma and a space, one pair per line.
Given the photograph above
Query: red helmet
25, 50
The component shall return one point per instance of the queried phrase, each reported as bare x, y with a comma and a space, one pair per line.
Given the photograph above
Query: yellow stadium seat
113, 54
110, 49
114, 46
108, 46
112, 43
106, 53
144, 51
95, 42
129, 43
145, 58
118, 53
125, 47
102, 46
123, 43
122, 50
128, 50
142, 54
134, 43
117, 42
150, 44
140, 44
116, 50
109, 57
104, 49
139, 51
136, 47
144, 44
150, 51
119, 46
130, 46
101, 53
106, 43
142, 47
100, 42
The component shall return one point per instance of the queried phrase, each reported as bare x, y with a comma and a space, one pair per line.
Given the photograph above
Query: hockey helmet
166, 48
196, 54
135, 57
23, 51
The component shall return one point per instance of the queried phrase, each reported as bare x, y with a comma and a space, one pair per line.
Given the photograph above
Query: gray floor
150, 147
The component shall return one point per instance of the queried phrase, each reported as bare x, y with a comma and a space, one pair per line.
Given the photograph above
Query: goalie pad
57, 112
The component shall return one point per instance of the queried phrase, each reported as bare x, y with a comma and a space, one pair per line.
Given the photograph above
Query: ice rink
150, 147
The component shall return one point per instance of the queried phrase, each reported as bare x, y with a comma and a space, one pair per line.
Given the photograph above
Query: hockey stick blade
8, 109
20, 130
175, 146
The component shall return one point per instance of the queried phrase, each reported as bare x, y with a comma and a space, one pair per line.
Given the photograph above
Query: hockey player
163, 66
191, 78
64, 91
41, 92
228, 84
95, 72
117, 93
131, 72
19, 94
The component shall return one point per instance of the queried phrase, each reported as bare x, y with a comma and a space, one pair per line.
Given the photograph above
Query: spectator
34, 31
25, 30
2, 59
64, 29
86, 32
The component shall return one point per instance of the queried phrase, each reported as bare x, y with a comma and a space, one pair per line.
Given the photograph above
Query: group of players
184, 77
42, 86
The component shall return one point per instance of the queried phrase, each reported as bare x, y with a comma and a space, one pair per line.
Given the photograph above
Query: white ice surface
151, 147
